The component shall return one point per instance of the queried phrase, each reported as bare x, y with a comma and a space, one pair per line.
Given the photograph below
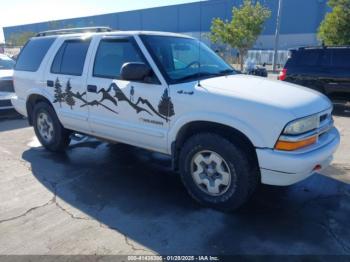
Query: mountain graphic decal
165, 106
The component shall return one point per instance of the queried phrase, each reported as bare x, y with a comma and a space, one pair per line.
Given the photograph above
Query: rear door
66, 81
338, 83
306, 70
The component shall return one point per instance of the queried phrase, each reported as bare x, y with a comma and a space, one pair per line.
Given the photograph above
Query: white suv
169, 93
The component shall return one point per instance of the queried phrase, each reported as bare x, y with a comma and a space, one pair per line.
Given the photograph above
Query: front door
132, 112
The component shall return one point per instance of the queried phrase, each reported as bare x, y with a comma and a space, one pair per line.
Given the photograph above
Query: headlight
301, 126
299, 133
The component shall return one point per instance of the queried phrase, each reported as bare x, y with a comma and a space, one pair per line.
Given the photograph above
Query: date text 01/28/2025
173, 258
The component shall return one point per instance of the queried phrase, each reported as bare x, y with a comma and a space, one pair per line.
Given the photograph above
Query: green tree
335, 28
19, 39
243, 30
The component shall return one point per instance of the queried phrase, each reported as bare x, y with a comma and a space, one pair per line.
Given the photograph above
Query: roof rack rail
311, 47
323, 47
75, 30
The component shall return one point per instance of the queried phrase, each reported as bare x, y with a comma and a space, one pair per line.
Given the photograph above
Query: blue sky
16, 12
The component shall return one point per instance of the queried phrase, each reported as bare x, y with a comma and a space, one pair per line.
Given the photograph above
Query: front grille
5, 103
323, 117
326, 123
6, 86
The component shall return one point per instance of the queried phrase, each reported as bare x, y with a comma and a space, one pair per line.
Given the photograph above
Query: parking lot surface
104, 199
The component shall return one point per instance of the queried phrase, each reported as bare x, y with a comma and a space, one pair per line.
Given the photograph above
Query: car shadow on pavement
134, 192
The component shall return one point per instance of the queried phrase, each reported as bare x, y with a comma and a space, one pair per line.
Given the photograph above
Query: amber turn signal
291, 146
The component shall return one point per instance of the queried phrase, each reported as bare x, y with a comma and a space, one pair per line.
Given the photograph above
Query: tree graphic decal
69, 95
59, 95
132, 93
166, 107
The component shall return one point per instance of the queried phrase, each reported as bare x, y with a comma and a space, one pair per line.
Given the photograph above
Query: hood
7, 74
298, 100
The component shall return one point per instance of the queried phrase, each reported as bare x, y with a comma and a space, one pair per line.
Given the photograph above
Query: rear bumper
286, 168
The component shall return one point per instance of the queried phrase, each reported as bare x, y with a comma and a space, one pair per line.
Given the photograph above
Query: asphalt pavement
105, 199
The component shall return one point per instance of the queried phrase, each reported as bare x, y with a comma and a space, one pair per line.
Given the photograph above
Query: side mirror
135, 71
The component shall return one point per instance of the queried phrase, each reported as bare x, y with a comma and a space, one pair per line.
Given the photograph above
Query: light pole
277, 34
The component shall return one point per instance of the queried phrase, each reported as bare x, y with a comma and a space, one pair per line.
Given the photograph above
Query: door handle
92, 88
49, 83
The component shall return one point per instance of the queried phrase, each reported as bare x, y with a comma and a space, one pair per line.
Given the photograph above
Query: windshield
6, 63
185, 59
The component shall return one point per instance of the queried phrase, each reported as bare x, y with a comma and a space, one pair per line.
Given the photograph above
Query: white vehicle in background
225, 132
6, 82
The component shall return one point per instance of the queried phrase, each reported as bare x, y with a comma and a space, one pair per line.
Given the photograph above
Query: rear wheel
216, 172
50, 132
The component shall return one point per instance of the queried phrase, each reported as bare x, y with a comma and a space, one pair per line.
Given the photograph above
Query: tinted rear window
308, 58
341, 58
70, 58
33, 53
326, 58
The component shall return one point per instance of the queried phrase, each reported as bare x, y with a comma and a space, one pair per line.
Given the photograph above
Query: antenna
199, 43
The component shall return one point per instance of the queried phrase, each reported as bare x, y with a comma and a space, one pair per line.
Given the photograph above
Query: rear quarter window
33, 54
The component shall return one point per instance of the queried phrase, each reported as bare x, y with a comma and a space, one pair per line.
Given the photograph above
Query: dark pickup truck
325, 69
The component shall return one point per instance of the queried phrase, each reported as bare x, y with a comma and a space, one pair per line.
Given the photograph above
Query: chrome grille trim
326, 123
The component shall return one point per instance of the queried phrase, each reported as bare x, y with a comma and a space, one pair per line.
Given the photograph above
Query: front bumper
282, 168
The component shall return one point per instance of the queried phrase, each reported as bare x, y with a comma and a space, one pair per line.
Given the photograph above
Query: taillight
283, 74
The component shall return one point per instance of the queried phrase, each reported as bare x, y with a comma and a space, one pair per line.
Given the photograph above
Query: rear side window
341, 58
70, 58
33, 54
326, 58
308, 58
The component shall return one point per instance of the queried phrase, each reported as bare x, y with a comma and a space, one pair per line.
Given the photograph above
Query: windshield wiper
226, 72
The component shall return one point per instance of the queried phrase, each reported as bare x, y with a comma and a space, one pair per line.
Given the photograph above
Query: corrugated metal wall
301, 18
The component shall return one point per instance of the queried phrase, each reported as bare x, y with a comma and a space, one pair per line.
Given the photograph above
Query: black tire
61, 136
244, 177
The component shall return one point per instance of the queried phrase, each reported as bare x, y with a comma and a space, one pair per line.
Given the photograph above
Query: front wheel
48, 129
216, 172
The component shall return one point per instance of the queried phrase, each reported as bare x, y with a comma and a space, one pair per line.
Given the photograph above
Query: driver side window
112, 54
